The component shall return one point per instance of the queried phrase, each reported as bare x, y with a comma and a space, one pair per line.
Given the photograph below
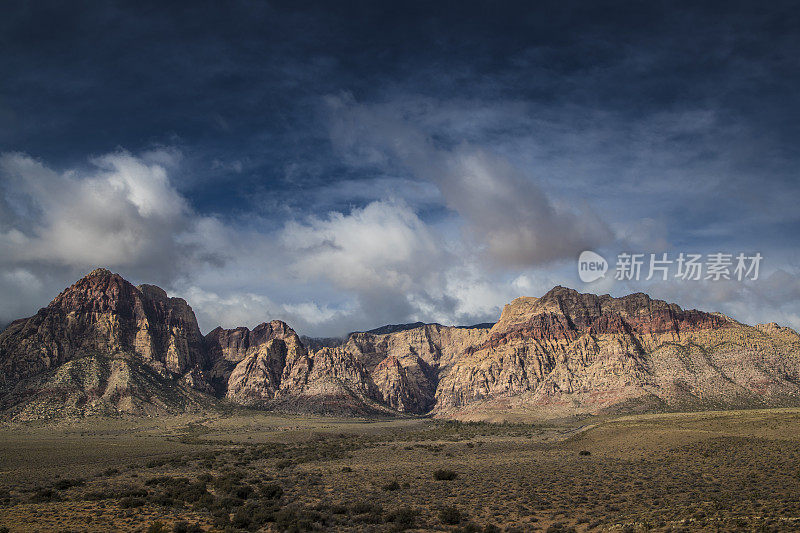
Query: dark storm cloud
655, 125
505, 211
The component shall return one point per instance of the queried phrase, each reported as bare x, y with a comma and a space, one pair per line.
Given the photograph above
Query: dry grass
737, 470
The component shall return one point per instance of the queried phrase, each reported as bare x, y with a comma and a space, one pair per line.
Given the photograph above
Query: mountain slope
103, 328
100, 384
104, 346
571, 352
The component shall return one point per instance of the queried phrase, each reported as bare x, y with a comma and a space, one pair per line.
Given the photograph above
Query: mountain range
105, 346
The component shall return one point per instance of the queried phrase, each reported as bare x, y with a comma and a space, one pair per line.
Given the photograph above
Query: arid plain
249, 471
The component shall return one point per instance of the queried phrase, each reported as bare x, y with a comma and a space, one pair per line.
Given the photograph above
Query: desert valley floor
248, 471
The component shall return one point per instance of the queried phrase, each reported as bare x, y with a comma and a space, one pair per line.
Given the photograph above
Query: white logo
591, 266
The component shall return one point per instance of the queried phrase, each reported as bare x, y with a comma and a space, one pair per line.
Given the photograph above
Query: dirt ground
718, 471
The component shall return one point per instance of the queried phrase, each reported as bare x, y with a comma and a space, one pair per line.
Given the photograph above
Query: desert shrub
491, 528
110, 472
368, 512
444, 475
558, 527
158, 480
97, 495
45, 495
338, 509
402, 518
346, 469
132, 493
255, 515
130, 502
179, 490
394, 485
228, 503
185, 527
64, 484
271, 491
291, 519
450, 515
156, 527
285, 463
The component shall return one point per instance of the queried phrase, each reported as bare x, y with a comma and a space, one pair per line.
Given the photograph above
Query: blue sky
345, 166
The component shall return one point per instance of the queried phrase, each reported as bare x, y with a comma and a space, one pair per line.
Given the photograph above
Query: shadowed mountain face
106, 346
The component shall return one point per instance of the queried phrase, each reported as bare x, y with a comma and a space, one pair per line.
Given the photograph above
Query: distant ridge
482, 325
396, 328
317, 343
105, 347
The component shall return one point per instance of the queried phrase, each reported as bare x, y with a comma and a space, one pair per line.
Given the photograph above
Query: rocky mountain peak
99, 273
564, 348
153, 291
100, 291
234, 344
103, 313
567, 312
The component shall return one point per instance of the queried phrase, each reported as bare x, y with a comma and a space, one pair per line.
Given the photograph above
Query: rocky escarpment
568, 313
103, 313
406, 363
105, 317
580, 352
249, 366
269, 366
106, 346
370, 371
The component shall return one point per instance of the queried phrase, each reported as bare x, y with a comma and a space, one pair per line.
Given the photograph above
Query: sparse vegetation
394, 485
450, 515
444, 474
726, 471
402, 518
129, 502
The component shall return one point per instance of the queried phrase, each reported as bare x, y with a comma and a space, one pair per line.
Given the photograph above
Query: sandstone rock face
248, 366
103, 313
255, 365
409, 388
104, 346
335, 372
571, 352
273, 368
406, 363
